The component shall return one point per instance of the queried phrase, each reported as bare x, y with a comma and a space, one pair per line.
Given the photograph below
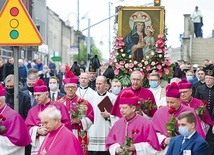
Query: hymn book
105, 103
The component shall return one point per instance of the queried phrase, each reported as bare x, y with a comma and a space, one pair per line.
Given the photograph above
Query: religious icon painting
140, 26
150, 16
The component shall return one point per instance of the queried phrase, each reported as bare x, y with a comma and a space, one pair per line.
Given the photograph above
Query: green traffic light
14, 34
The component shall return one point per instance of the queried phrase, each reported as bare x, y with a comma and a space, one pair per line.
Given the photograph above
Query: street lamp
109, 24
78, 33
77, 16
101, 39
68, 23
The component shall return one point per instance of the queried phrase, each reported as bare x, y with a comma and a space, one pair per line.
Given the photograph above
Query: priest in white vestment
99, 130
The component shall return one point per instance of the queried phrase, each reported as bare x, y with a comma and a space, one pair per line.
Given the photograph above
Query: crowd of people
60, 112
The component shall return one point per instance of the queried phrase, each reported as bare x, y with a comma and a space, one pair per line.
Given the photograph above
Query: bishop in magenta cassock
163, 115
59, 140
141, 92
33, 122
135, 126
15, 137
187, 99
81, 122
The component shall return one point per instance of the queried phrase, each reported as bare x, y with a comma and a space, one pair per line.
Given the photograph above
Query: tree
83, 52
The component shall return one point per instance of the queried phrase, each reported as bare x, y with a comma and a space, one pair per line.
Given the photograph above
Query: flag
85, 16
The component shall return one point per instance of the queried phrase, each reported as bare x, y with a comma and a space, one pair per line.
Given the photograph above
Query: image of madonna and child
140, 41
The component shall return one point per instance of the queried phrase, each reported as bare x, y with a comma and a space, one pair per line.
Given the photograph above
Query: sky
99, 10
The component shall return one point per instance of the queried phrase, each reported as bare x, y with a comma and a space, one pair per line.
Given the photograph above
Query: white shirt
185, 138
196, 16
55, 95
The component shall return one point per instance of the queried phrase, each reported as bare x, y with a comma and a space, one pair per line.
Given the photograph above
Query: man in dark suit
24, 99
92, 77
189, 142
61, 75
31, 80
201, 81
9, 67
54, 93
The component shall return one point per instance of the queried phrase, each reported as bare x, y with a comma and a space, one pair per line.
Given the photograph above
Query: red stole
82, 135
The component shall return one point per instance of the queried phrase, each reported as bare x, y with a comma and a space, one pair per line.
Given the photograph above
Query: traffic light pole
16, 78
99, 22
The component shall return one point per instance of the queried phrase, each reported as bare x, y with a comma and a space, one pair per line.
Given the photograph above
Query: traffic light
17, 27
157, 2
14, 23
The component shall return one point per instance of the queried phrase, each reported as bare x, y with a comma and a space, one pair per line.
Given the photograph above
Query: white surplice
8, 148
36, 141
158, 93
142, 148
99, 130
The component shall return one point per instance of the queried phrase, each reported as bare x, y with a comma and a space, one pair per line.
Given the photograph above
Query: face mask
10, 91
116, 90
153, 84
183, 131
189, 78
30, 89
185, 70
53, 86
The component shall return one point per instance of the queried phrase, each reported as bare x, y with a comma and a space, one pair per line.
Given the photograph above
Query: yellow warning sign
17, 27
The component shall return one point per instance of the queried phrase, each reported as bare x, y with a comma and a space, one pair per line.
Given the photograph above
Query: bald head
101, 84
84, 79
84, 74
175, 79
102, 78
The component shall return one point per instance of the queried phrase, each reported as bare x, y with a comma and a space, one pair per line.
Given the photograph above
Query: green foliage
2, 128
83, 52
201, 111
145, 106
128, 142
156, 60
171, 127
124, 79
